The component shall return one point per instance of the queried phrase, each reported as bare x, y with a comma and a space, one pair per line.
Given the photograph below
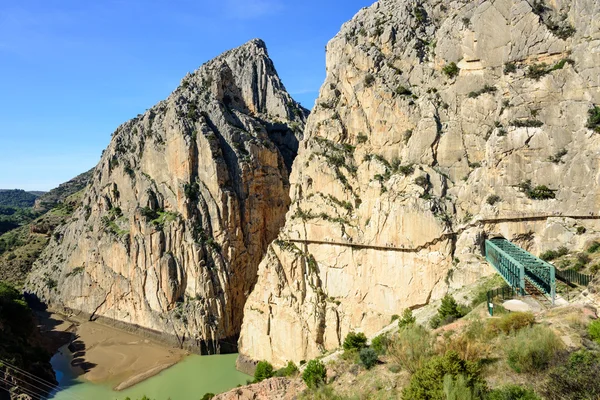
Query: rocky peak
182, 205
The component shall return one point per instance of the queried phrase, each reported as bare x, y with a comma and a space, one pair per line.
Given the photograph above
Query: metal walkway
521, 269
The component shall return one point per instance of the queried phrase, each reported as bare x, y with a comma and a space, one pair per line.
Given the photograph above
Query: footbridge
520, 269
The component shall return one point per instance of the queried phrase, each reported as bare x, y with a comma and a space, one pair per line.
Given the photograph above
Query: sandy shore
103, 354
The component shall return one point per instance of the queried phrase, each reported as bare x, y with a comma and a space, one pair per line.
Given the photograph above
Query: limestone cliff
439, 123
182, 206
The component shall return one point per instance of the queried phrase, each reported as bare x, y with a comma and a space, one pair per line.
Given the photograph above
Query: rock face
182, 206
59, 194
439, 123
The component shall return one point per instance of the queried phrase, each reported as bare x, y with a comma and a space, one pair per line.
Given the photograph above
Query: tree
355, 341
449, 308
407, 319
314, 374
264, 370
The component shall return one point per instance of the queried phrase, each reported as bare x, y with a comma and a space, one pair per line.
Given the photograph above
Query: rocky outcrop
439, 123
182, 206
269, 389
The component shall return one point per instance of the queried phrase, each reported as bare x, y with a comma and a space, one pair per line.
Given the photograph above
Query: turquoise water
190, 379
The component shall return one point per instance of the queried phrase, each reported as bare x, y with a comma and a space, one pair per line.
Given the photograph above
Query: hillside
17, 198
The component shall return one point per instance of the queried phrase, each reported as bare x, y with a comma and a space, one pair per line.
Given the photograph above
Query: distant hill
57, 195
17, 198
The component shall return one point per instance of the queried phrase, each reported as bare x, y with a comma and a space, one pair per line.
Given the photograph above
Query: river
189, 379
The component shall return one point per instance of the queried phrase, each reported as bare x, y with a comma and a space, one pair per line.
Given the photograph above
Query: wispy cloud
252, 9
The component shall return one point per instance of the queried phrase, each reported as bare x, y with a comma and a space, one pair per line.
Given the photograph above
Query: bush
380, 344
314, 374
355, 341
574, 377
457, 389
594, 247
509, 68
526, 123
594, 119
208, 396
411, 348
289, 370
532, 349
540, 192
513, 322
369, 80
264, 370
451, 70
594, 330
368, 357
493, 199
512, 392
536, 71
428, 381
407, 319
449, 308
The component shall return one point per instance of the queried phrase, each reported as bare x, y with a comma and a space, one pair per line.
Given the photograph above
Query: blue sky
71, 71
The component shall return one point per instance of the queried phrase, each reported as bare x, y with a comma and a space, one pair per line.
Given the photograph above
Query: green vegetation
355, 341
513, 322
428, 381
17, 198
557, 157
574, 377
492, 199
540, 192
594, 330
207, 396
368, 357
420, 13
264, 370
553, 254
314, 374
484, 90
537, 71
369, 80
380, 344
403, 91
361, 138
20, 337
509, 68
407, 319
289, 370
449, 311
451, 70
526, 123
411, 348
532, 349
512, 392
593, 121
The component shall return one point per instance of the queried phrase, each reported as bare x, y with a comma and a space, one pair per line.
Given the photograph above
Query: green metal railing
505, 293
516, 265
573, 277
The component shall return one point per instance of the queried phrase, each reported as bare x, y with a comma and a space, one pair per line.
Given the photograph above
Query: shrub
369, 80
509, 68
536, 71
512, 322
449, 308
485, 89
264, 370
574, 377
208, 396
407, 319
411, 348
361, 138
458, 389
380, 344
532, 349
594, 330
594, 247
581, 230
493, 199
428, 381
355, 341
512, 392
314, 374
540, 192
368, 357
403, 91
451, 70
394, 317
526, 123
289, 370
593, 122
557, 158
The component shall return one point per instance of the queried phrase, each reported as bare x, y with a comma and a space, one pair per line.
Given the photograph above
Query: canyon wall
181, 207
439, 124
